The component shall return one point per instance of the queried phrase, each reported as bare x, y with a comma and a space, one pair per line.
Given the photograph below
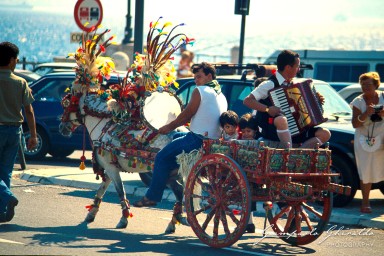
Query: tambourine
159, 108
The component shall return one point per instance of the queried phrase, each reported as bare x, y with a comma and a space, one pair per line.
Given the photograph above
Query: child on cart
229, 121
249, 131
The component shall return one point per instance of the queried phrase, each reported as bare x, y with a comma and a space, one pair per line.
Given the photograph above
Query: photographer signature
331, 232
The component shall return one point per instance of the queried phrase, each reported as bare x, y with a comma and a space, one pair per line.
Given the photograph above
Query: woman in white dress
369, 135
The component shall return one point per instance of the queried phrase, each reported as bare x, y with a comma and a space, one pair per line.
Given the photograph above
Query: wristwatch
267, 110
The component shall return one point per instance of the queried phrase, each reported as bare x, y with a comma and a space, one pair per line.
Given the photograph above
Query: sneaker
250, 228
11, 209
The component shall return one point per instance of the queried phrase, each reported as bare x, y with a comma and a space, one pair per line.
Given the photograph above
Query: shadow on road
114, 241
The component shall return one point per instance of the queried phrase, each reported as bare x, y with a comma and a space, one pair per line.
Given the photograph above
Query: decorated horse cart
222, 179
230, 176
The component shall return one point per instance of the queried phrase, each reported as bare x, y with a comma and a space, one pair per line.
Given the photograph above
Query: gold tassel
82, 166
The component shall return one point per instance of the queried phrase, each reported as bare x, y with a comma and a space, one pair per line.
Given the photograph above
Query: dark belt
11, 124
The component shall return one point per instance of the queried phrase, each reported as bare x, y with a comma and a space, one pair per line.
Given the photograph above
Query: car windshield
334, 104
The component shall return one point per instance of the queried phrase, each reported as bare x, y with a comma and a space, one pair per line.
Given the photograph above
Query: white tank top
206, 120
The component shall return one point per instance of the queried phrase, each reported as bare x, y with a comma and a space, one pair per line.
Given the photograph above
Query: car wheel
346, 178
61, 152
382, 189
42, 147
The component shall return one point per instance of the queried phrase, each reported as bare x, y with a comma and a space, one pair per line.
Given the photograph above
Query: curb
339, 216
129, 190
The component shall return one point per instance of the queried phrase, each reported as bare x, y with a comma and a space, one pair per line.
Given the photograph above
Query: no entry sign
89, 11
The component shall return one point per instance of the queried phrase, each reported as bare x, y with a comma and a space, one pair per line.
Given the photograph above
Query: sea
42, 36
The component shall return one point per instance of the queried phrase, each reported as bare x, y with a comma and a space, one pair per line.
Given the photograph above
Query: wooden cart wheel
301, 222
217, 200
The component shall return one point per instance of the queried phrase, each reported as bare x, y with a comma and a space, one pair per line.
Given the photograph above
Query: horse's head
72, 116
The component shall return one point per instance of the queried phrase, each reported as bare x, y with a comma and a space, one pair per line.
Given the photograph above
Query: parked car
48, 91
53, 67
28, 75
336, 109
339, 85
352, 91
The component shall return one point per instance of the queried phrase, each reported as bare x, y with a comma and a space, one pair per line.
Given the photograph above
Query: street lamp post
242, 8
139, 26
128, 26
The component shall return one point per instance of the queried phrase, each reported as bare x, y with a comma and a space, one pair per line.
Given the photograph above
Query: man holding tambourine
203, 112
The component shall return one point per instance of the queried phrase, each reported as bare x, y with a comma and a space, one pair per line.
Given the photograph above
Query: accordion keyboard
279, 100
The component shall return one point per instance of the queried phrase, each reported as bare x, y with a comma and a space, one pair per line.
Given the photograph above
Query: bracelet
361, 121
266, 109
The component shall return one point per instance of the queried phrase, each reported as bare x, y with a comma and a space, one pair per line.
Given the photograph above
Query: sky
218, 15
214, 20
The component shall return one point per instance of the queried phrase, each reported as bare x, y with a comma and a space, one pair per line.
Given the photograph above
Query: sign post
88, 11
242, 8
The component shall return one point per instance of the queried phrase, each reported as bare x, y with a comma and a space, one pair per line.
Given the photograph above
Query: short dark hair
229, 117
248, 121
7, 51
206, 67
286, 57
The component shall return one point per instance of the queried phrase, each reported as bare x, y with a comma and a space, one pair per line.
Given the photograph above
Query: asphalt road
49, 221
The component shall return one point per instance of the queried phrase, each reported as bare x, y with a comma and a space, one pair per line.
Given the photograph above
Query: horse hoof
89, 219
170, 229
123, 223
184, 221
91, 215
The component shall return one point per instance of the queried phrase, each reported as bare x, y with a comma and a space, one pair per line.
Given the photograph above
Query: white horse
117, 146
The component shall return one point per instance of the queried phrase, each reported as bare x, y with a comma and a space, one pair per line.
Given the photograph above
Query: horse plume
92, 68
155, 65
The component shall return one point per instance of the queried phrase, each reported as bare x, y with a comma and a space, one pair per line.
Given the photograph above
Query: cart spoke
203, 209
290, 218
283, 211
297, 221
305, 216
208, 218
216, 222
224, 221
313, 210
232, 216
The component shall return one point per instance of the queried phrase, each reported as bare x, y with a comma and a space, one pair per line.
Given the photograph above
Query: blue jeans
165, 161
9, 145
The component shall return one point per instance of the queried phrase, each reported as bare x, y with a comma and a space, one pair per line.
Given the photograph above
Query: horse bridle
70, 104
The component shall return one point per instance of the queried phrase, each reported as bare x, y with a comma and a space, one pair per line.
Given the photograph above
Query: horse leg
177, 217
94, 208
119, 186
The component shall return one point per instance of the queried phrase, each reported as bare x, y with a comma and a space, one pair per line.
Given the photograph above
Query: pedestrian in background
14, 94
185, 65
368, 122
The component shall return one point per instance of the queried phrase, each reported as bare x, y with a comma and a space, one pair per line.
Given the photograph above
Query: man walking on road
14, 94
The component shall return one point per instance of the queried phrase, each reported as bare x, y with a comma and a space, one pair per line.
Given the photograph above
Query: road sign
88, 11
76, 37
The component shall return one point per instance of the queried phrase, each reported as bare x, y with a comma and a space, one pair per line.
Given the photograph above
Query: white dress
369, 164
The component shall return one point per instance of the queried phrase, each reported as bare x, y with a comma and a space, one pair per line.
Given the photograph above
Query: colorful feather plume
155, 66
92, 68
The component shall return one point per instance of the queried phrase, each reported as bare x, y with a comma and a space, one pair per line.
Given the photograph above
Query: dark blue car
48, 91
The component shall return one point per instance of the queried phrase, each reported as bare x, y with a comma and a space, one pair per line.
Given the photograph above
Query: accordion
300, 104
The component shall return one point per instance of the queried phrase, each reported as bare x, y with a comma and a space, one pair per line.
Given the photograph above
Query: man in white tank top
203, 111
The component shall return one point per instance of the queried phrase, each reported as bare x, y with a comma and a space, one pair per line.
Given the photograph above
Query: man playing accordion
272, 120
